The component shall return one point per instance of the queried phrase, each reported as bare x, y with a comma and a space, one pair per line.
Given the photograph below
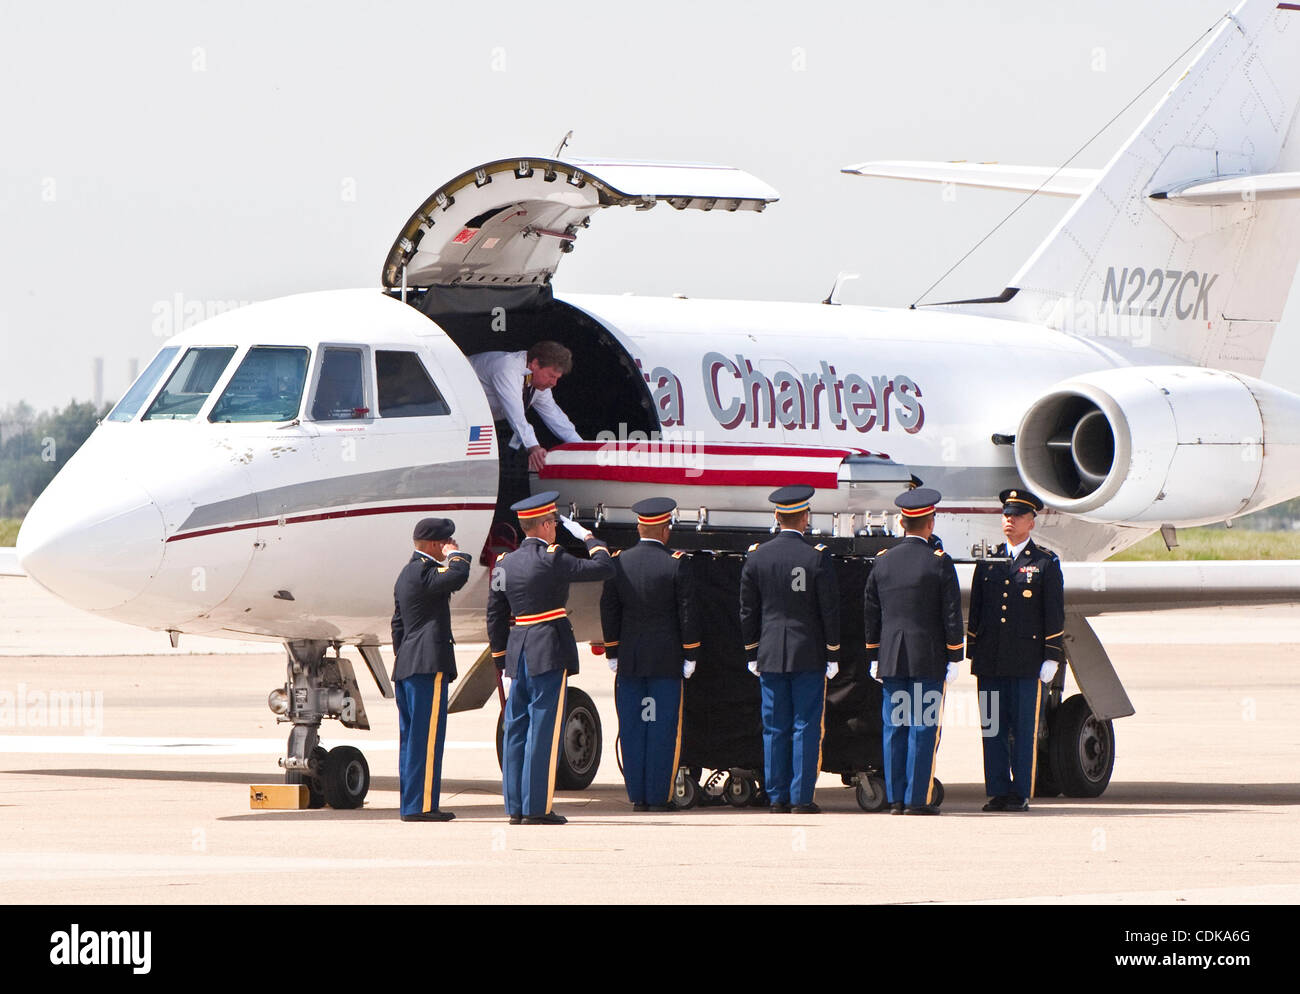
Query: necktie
528, 390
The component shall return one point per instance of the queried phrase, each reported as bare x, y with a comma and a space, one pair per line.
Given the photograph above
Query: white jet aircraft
262, 477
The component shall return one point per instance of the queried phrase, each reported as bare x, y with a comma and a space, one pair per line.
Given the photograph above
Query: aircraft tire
315, 796
345, 778
1046, 783
580, 742
1082, 748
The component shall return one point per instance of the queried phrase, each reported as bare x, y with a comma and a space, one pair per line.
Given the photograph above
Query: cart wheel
848, 779
871, 792
938, 792
740, 790
501, 737
686, 791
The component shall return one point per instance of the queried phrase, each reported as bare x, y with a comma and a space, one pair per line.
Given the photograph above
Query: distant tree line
33, 447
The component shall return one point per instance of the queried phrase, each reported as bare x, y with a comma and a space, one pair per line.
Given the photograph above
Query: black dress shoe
896, 808
547, 819
430, 816
779, 809
640, 807
1017, 804
811, 808
921, 809
995, 804
516, 819
660, 808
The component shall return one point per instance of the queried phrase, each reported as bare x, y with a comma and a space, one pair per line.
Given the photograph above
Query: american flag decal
480, 441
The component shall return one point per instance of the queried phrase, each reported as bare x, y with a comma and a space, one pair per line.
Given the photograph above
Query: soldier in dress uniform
426, 663
913, 629
790, 620
1014, 642
532, 642
651, 638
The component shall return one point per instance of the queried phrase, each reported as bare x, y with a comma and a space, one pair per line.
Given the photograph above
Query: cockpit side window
405, 389
188, 387
131, 402
267, 386
340, 390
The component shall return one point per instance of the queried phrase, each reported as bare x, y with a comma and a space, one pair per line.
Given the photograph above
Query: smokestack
99, 381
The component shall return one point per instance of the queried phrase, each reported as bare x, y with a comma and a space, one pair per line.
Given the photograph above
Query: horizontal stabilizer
988, 175
1235, 191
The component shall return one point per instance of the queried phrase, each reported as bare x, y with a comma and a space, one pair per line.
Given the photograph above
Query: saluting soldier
790, 620
1014, 641
651, 639
912, 605
426, 663
532, 642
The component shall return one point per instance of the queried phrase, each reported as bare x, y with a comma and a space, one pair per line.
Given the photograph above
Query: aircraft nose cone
94, 543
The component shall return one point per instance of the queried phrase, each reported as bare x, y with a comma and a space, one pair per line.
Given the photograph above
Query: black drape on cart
722, 728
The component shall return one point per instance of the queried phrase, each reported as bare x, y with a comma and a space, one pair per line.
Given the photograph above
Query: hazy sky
180, 152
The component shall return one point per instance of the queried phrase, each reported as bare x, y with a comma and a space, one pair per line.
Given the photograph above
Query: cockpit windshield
130, 403
267, 386
188, 387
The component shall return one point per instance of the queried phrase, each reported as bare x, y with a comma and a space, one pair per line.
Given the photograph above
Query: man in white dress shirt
517, 381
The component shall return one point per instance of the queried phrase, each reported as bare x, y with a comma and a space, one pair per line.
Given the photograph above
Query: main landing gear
1076, 749
320, 687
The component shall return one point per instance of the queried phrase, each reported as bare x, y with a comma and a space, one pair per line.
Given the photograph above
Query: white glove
952, 673
1047, 671
688, 667
753, 666
875, 668
831, 670
575, 529
613, 665
505, 685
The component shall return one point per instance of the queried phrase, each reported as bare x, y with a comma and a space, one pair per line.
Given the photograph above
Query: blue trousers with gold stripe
793, 708
531, 748
421, 731
911, 712
1013, 708
650, 733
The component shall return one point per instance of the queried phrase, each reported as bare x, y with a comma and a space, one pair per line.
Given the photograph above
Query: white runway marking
104, 745
20, 866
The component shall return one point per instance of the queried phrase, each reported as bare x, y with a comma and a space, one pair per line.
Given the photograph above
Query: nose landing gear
320, 687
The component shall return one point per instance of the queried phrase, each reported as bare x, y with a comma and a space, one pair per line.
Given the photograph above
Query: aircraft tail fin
1188, 242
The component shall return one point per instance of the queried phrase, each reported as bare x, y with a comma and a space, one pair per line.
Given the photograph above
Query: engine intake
1150, 445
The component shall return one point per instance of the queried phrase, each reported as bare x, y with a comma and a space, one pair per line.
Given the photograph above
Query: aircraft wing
1112, 588
987, 175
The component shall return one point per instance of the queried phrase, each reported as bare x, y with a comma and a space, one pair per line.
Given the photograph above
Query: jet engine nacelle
1161, 444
